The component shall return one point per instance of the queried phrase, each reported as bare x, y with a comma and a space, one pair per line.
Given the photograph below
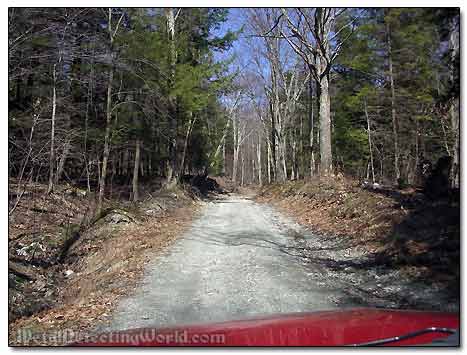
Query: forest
315, 151
115, 97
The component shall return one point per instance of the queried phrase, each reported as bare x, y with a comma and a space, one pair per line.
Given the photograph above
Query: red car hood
324, 328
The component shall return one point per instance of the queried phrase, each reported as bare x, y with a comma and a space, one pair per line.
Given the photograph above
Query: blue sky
246, 47
234, 23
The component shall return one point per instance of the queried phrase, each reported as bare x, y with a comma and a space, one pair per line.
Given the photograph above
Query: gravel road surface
242, 259
235, 262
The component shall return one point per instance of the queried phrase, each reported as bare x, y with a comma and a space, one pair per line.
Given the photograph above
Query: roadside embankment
401, 230
68, 266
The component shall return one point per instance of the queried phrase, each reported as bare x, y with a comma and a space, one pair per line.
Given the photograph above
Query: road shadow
427, 239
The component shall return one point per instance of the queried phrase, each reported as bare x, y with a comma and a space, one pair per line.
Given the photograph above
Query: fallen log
21, 271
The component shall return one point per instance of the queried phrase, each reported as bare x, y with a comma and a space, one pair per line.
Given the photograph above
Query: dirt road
243, 259
233, 263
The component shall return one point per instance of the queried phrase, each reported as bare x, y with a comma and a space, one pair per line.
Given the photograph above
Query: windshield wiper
407, 336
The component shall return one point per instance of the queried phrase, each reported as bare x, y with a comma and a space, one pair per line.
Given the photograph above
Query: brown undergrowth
400, 228
335, 208
55, 301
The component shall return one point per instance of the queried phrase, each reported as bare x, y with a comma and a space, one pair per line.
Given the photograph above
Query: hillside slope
400, 230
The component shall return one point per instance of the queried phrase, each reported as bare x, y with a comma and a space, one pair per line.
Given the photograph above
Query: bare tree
313, 35
258, 155
230, 111
365, 106
239, 129
283, 87
112, 31
395, 122
171, 18
52, 131
136, 169
191, 123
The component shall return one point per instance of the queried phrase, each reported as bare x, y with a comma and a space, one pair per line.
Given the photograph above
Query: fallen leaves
107, 263
403, 229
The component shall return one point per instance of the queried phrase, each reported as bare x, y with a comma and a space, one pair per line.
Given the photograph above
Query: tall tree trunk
64, 156
416, 177
150, 172
316, 103
273, 143
395, 123
112, 32
236, 150
221, 144
301, 154
253, 163
323, 59
312, 126
269, 161
89, 97
172, 58
52, 132
141, 167
258, 153
369, 141
381, 170
294, 174
243, 169
325, 127
88, 163
120, 163
25, 161
223, 172
105, 158
191, 123
136, 169
282, 157
112, 175
235, 166
125, 162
